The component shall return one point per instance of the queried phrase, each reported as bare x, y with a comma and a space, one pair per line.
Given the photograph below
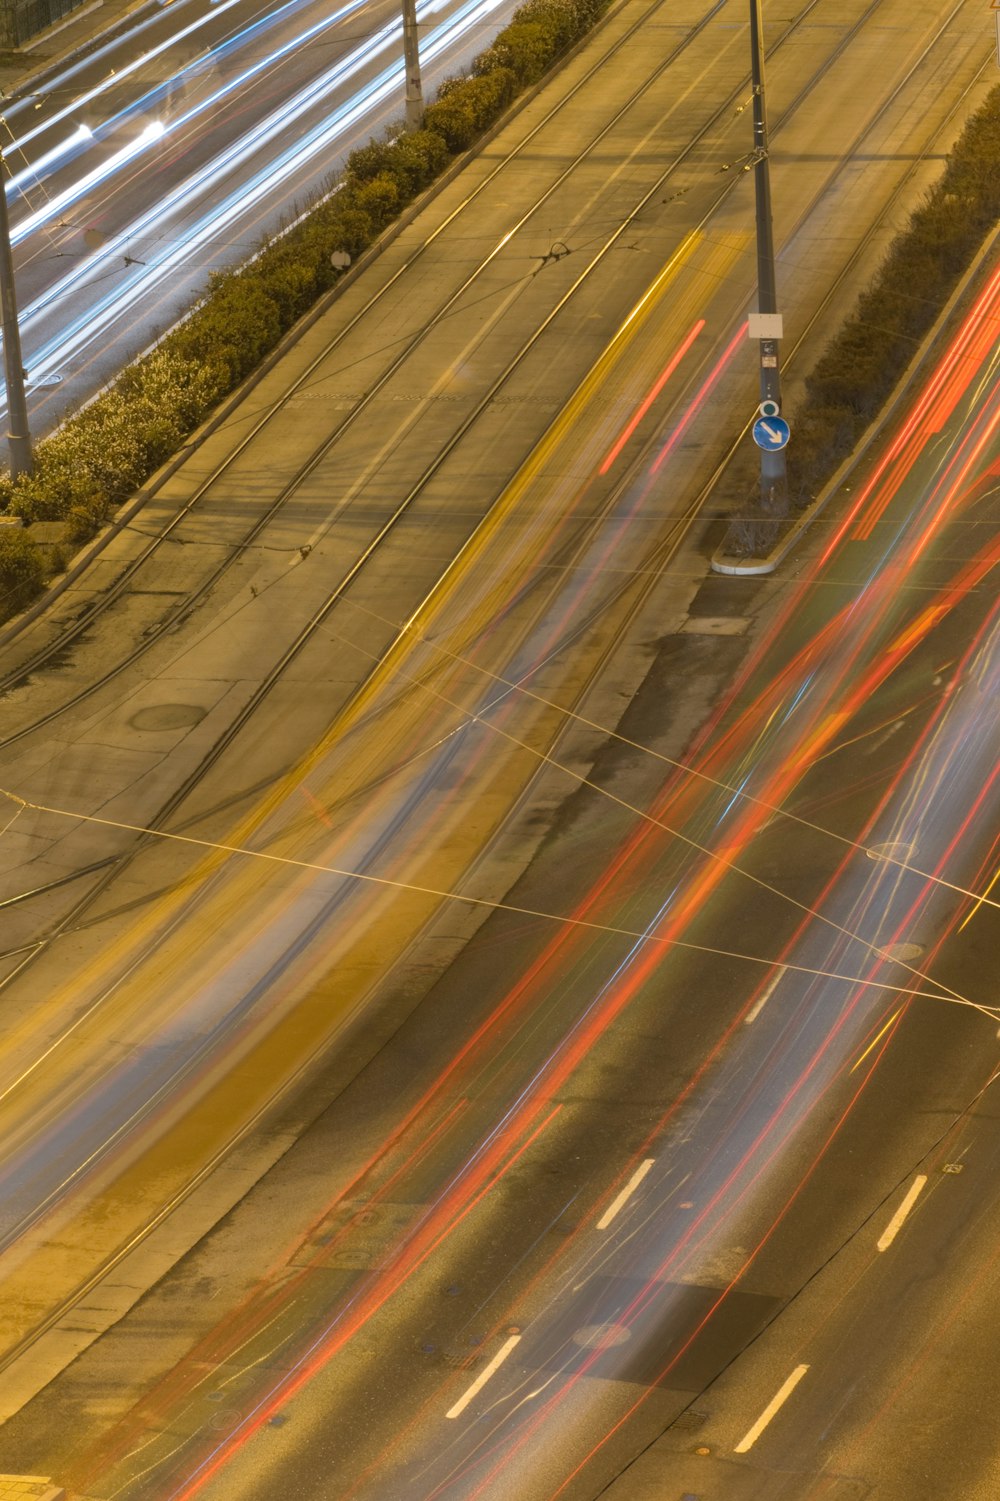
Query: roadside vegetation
860, 367
101, 456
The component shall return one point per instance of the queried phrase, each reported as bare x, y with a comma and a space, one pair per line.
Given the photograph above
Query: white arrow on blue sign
771, 433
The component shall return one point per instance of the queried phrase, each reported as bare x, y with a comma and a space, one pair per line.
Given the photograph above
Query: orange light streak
654, 392
409, 1260
700, 398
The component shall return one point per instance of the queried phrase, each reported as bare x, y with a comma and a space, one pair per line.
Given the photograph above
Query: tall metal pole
18, 434
773, 475
411, 62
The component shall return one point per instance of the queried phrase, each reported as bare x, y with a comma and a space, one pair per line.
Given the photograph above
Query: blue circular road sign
771, 433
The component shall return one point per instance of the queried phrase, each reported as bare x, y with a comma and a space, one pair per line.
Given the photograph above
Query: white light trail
78, 139
113, 79
57, 205
93, 324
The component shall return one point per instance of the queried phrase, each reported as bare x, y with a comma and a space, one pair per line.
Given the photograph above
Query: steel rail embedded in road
110, 596
311, 628
657, 555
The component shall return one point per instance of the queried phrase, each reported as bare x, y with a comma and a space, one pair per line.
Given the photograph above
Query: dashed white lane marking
765, 996
483, 1377
780, 1397
626, 1193
894, 1226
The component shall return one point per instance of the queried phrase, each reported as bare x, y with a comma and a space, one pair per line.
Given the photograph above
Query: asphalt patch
616, 1330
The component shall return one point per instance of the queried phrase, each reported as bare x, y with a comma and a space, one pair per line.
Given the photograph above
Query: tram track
110, 869
291, 487
658, 554
100, 606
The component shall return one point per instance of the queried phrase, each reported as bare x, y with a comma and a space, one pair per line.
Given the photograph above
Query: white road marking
765, 996
626, 1193
778, 1400
894, 1226
483, 1377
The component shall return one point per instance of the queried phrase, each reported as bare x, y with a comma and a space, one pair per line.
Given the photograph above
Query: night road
492, 1008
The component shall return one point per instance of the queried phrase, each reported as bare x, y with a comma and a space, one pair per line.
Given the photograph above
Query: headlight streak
855, 1064
61, 201
72, 144
939, 745
969, 580
807, 707
92, 325
812, 913
918, 793
904, 926
958, 592
113, 80
150, 133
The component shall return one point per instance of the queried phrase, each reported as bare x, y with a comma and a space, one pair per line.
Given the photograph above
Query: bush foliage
865, 359
861, 365
21, 570
108, 450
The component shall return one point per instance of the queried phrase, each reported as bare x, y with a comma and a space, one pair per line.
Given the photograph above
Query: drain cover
168, 717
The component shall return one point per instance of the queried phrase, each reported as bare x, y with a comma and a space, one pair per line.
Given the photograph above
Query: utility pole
766, 326
18, 434
411, 62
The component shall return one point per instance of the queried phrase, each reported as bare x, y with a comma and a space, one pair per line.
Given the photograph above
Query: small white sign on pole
765, 325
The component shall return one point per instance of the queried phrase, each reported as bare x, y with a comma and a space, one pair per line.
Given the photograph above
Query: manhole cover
227, 1419
905, 952
891, 851
168, 717
602, 1336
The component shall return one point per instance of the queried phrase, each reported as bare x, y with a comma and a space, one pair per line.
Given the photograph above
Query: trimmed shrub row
863, 362
103, 454
21, 570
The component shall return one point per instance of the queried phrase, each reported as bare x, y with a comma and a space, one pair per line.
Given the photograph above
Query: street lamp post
767, 325
18, 434
411, 63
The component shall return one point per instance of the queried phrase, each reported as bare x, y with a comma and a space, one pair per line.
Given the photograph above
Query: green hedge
863, 362
102, 455
21, 570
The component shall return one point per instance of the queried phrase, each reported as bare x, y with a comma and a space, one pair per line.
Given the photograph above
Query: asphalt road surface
173, 149
595, 1058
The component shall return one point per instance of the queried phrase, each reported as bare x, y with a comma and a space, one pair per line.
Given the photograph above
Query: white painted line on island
483, 1377
780, 1397
626, 1193
765, 996
894, 1226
